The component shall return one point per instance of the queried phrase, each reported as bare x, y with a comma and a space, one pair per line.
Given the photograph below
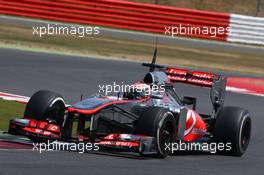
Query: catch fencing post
258, 7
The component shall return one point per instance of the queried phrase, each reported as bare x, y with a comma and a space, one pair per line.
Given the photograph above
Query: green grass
9, 110
108, 47
245, 7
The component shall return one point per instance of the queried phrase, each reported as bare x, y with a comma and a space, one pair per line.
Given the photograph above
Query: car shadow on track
128, 155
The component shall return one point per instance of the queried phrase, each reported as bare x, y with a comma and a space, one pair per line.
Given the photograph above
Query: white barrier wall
246, 29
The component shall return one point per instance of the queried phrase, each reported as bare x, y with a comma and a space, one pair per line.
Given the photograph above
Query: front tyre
160, 123
46, 106
233, 125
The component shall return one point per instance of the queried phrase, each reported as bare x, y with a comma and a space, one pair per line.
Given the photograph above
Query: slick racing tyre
233, 125
46, 105
160, 123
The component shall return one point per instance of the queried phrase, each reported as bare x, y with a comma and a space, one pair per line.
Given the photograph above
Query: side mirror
189, 101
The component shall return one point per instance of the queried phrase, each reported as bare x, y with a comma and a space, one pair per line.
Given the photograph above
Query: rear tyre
160, 123
46, 106
233, 126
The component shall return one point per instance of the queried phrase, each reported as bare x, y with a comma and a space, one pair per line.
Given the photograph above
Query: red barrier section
119, 14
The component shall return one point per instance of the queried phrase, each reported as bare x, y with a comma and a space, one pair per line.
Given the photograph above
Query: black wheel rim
245, 134
56, 112
166, 136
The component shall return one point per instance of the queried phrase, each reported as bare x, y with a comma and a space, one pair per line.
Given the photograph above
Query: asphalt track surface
26, 72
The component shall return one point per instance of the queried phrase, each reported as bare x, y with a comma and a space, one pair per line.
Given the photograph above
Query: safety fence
141, 17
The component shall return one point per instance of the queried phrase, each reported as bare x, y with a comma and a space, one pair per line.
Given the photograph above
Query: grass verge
99, 46
9, 110
246, 7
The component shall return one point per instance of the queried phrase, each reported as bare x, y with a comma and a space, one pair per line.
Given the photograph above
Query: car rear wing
216, 82
204, 79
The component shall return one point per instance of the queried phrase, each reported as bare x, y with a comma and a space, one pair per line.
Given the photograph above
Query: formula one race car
145, 120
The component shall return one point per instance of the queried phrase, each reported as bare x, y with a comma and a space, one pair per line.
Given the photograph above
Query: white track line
13, 97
